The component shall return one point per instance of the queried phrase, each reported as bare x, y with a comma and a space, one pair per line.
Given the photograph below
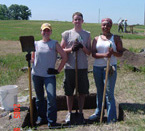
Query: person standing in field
76, 40
106, 46
43, 73
120, 25
125, 26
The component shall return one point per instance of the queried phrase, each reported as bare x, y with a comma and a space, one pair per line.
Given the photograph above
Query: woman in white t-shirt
101, 51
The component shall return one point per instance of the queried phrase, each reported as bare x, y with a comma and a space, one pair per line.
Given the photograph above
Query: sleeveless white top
102, 46
45, 57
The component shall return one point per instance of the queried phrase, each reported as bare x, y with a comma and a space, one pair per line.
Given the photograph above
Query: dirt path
9, 47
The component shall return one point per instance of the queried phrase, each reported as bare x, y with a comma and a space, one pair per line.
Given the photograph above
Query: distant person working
120, 25
125, 26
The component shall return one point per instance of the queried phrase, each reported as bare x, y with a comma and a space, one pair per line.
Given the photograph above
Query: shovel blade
27, 43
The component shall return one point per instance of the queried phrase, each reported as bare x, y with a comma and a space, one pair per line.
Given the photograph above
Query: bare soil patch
133, 59
10, 47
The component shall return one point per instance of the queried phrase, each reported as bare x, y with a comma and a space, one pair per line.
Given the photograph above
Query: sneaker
41, 121
93, 117
67, 119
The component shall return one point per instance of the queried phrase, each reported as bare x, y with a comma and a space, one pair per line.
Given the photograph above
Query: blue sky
132, 10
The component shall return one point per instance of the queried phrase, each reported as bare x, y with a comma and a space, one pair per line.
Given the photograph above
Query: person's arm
32, 57
94, 51
119, 47
63, 45
87, 50
63, 56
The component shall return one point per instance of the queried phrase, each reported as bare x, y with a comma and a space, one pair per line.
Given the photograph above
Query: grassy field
11, 30
129, 87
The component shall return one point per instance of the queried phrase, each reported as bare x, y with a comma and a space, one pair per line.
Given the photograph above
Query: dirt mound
130, 58
134, 59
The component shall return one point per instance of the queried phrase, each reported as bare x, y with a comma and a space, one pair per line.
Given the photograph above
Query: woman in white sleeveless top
101, 51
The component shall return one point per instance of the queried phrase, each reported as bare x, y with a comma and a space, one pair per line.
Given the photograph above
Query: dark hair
77, 13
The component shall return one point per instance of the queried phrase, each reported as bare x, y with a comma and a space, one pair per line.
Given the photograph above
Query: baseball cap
46, 26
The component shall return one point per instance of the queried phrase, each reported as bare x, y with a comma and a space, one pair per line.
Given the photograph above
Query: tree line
14, 12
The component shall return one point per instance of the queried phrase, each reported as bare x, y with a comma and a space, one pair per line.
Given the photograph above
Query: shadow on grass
133, 107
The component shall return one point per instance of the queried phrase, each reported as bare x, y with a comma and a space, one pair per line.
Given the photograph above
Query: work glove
77, 46
52, 71
80, 45
28, 57
111, 70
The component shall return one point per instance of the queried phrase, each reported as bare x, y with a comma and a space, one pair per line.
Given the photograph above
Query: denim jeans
99, 77
50, 86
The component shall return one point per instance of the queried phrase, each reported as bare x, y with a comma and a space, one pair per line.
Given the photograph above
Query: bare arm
63, 45
63, 55
32, 57
119, 47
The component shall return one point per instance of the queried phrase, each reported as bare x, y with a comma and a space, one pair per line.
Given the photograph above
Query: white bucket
8, 96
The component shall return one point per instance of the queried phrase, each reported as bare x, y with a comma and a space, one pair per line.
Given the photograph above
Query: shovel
75, 118
76, 76
104, 93
27, 44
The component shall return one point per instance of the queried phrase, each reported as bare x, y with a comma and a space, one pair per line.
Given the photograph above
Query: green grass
12, 29
140, 26
134, 50
10, 66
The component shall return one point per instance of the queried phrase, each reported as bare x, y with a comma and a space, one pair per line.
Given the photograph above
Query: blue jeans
99, 77
50, 86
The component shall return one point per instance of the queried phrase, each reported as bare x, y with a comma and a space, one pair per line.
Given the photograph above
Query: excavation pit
89, 108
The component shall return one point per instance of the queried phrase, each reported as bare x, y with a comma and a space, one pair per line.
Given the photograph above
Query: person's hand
109, 53
52, 71
77, 46
111, 50
28, 57
80, 45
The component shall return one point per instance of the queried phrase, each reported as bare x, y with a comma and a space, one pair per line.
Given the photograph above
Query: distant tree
4, 12
19, 12
25, 13
14, 10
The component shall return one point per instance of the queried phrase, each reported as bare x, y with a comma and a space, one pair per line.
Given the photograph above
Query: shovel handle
76, 73
30, 93
104, 93
106, 79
